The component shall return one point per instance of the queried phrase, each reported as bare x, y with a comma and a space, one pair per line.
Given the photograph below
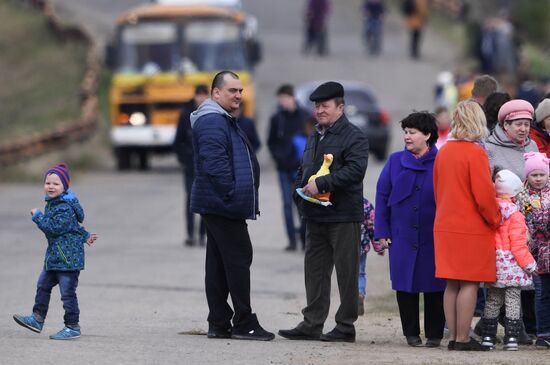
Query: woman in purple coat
404, 218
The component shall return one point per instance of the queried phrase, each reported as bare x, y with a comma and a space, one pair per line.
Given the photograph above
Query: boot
523, 337
512, 330
488, 329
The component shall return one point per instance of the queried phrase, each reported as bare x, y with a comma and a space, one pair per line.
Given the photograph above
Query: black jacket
283, 127
183, 142
350, 149
249, 128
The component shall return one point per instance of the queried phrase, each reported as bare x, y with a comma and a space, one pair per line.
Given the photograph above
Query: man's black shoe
338, 336
414, 341
296, 334
219, 333
256, 334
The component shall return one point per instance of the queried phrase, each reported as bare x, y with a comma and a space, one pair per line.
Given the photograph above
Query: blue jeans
68, 281
373, 35
362, 274
542, 304
286, 180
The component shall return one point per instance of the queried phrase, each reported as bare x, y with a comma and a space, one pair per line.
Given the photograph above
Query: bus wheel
122, 156
143, 160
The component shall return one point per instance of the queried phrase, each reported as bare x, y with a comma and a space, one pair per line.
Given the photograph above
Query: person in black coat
332, 232
249, 128
183, 147
284, 125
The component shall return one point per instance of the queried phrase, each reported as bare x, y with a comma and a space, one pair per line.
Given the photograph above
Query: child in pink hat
534, 203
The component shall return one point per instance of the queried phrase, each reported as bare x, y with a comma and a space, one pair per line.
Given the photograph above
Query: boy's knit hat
543, 110
508, 184
536, 161
61, 170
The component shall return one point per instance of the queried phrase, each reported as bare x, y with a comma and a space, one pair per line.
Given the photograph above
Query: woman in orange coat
467, 216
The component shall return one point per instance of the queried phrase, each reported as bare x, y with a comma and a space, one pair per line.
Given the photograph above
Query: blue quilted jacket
60, 222
227, 174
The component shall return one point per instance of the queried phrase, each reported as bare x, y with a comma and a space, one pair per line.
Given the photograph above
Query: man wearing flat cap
332, 232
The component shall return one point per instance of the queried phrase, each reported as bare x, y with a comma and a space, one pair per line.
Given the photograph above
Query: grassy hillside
39, 77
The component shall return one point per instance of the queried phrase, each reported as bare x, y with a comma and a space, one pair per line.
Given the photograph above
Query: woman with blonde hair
467, 216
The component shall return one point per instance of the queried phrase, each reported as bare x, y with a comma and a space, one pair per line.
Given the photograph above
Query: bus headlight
137, 119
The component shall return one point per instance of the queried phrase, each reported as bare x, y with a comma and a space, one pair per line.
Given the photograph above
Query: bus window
148, 47
214, 45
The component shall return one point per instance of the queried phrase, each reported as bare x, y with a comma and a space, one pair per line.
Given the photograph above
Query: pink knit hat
515, 109
536, 161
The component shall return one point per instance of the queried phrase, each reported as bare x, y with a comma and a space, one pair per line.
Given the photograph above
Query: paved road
141, 288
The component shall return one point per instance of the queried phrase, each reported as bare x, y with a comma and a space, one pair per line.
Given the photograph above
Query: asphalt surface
142, 293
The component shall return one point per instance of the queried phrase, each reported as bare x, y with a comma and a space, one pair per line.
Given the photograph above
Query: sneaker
29, 322
256, 334
543, 342
67, 333
189, 242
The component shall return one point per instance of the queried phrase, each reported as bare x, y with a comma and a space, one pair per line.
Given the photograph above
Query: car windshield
357, 101
200, 45
360, 100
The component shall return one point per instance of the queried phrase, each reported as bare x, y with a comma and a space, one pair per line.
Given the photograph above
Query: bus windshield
195, 46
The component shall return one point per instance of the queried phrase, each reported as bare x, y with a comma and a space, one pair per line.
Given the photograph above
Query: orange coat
467, 214
513, 256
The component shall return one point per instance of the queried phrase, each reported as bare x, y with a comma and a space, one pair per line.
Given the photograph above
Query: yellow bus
159, 53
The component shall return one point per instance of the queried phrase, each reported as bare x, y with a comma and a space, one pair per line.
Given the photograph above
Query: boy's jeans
68, 281
362, 273
542, 304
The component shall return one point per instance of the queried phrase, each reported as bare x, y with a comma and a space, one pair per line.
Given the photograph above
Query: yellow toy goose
323, 170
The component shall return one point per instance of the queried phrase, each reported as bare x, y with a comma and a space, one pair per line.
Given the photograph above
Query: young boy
367, 237
60, 222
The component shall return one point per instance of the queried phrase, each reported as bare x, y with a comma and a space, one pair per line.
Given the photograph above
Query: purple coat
405, 212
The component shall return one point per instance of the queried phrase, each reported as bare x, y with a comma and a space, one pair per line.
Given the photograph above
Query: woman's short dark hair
492, 106
423, 121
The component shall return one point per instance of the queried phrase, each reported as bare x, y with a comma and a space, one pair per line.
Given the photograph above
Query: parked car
362, 109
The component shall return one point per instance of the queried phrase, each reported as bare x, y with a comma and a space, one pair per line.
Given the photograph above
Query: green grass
538, 61
40, 77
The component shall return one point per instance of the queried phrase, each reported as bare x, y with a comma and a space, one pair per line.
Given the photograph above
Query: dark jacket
183, 142
249, 128
350, 149
405, 212
283, 126
227, 174
60, 222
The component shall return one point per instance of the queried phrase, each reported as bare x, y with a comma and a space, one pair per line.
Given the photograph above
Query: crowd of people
461, 205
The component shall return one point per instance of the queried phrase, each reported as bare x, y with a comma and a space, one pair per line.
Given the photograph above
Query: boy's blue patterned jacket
66, 237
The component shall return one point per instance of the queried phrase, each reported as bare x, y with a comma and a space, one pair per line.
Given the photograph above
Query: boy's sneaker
543, 342
29, 322
67, 333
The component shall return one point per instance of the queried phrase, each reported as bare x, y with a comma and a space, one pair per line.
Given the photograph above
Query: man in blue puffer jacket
225, 194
